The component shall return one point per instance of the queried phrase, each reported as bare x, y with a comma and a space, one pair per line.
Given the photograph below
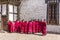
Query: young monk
13, 27
39, 25
26, 27
30, 26
34, 26
9, 25
16, 26
44, 27
22, 26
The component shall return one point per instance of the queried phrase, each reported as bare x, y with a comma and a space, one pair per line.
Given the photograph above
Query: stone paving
37, 36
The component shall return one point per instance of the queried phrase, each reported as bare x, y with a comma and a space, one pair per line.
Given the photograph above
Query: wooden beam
15, 2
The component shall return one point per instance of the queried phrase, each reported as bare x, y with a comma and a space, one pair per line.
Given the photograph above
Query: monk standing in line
34, 26
13, 27
30, 30
26, 27
38, 26
16, 26
44, 27
22, 26
9, 25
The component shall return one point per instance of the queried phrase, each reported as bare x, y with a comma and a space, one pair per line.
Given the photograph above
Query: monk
30, 30
22, 26
16, 26
39, 25
26, 27
9, 25
44, 27
13, 27
34, 26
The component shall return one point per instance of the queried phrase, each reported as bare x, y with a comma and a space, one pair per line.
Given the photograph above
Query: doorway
4, 22
52, 13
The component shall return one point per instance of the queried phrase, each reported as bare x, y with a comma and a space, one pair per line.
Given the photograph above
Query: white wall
37, 9
33, 9
53, 28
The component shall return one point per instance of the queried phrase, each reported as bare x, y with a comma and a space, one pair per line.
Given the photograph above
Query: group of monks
31, 26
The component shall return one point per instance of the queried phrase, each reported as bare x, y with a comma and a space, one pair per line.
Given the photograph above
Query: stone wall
53, 28
33, 9
37, 9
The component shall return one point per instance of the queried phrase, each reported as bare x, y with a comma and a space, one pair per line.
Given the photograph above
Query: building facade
31, 9
9, 10
42, 9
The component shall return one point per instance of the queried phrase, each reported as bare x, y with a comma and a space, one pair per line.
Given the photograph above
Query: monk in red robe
17, 26
39, 25
44, 27
22, 26
34, 26
13, 27
9, 25
30, 27
26, 27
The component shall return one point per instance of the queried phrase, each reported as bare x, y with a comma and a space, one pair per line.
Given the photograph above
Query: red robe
44, 28
9, 26
30, 27
26, 27
34, 26
17, 26
13, 27
39, 26
22, 26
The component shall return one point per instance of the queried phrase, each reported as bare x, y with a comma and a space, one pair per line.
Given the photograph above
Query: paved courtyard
18, 36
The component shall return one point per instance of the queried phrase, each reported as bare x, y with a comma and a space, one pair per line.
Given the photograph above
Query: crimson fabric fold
44, 28
30, 27
17, 26
26, 27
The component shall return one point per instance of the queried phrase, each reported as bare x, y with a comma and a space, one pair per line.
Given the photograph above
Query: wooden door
4, 22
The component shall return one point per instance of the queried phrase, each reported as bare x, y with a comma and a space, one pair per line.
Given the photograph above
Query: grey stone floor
37, 36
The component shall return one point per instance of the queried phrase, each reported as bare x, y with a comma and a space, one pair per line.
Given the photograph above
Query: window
52, 13
10, 8
15, 17
15, 9
12, 12
10, 17
3, 9
15, 13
